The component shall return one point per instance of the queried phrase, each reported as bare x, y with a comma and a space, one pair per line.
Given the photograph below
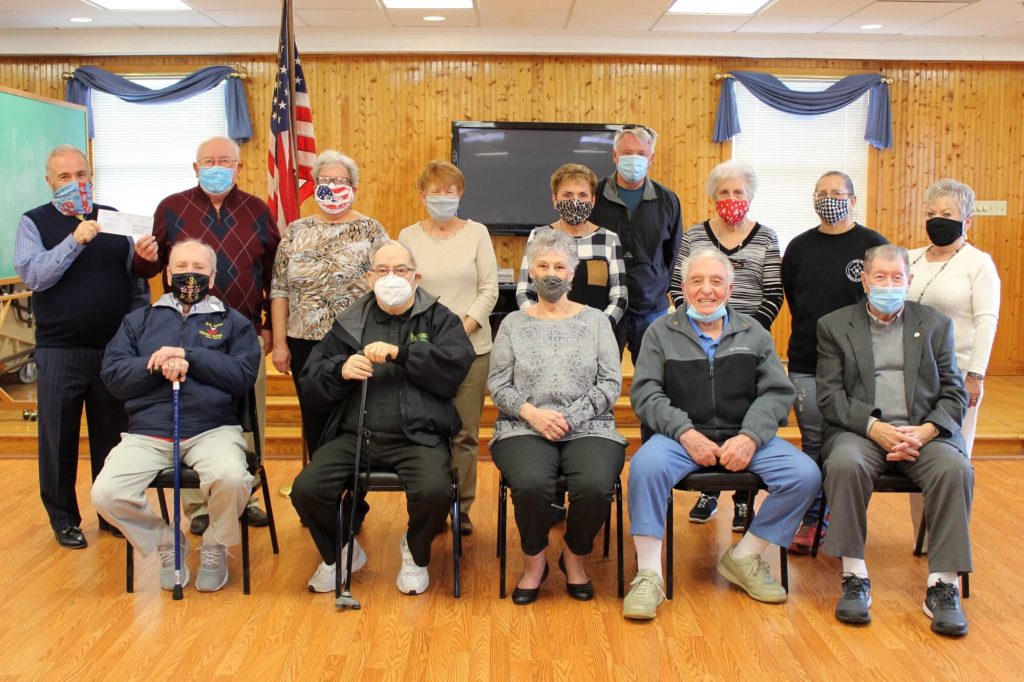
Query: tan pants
193, 502
469, 402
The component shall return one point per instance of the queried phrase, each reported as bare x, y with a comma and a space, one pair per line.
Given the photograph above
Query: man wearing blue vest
82, 284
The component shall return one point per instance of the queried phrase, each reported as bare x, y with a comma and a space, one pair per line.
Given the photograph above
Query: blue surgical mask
633, 167
887, 300
715, 314
216, 179
74, 198
442, 207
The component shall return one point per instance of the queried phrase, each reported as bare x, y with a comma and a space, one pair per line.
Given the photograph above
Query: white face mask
392, 290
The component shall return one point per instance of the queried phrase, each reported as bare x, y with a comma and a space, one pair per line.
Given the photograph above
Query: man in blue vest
82, 283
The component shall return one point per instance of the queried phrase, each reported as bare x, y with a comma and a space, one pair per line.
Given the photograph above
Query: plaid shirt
243, 233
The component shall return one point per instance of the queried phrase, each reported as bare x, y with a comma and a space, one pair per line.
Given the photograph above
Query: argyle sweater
243, 233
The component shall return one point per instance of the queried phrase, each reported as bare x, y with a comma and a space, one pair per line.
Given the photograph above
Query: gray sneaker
855, 601
942, 605
213, 568
167, 564
645, 593
752, 575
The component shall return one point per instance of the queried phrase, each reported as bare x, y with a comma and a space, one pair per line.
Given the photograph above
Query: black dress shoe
580, 591
465, 525
256, 517
522, 596
113, 530
71, 538
200, 522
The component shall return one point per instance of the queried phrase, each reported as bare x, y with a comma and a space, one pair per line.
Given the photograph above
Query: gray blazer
846, 373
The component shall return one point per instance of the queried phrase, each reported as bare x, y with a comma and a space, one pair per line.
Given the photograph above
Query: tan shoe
752, 575
645, 593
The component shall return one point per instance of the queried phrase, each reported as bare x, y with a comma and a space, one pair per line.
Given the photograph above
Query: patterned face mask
74, 198
334, 199
732, 211
831, 210
190, 287
574, 211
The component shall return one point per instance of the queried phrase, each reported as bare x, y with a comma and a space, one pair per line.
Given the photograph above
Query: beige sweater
462, 271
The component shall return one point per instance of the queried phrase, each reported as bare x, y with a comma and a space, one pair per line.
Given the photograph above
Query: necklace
920, 296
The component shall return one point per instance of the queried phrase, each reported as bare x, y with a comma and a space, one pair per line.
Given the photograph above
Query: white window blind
144, 152
790, 152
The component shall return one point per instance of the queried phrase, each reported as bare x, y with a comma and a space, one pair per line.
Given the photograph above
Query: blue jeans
630, 331
792, 481
808, 419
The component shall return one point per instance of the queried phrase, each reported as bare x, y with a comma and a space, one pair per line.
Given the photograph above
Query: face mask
551, 287
190, 287
944, 231
74, 198
887, 300
392, 290
442, 207
334, 199
716, 314
732, 211
574, 211
217, 179
832, 210
632, 167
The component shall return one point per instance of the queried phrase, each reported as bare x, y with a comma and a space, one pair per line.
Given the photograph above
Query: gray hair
887, 252
392, 242
706, 253
728, 170
330, 157
219, 138
839, 174
206, 247
61, 150
550, 239
643, 134
957, 192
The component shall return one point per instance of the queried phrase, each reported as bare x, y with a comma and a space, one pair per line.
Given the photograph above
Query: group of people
879, 376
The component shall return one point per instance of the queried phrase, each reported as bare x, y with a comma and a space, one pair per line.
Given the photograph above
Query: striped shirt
757, 289
600, 278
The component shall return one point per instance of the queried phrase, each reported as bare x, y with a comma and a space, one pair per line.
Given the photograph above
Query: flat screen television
508, 167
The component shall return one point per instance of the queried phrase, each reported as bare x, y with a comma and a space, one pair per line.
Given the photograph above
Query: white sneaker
166, 553
323, 579
412, 579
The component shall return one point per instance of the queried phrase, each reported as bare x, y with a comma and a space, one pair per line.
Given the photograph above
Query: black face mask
190, 287
944, 231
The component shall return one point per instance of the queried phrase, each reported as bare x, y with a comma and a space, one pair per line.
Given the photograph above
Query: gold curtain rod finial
721, 76
67, 75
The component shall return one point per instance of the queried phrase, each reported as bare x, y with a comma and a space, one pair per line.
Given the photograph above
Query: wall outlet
989, 208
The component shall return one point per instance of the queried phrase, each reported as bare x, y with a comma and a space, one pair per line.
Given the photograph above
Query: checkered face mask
574, 211
831, 210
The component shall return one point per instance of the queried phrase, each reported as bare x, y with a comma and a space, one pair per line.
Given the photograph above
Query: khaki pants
469, 402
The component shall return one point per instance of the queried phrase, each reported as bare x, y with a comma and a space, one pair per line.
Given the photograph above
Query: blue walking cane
176, 445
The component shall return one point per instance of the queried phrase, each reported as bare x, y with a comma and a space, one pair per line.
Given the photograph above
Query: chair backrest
249, 421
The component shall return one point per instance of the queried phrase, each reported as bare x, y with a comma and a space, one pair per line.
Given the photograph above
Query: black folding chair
710, 480
190, 479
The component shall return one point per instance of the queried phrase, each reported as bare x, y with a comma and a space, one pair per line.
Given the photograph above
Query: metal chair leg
456, 539
784, 567
821, 524
163, 505
618, 540
129, 567
921, 534
265, 485
502, 535
246, 583
669, 573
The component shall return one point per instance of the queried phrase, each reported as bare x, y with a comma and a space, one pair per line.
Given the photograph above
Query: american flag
282, 196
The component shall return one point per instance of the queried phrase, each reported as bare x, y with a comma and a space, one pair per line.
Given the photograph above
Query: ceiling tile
636, 15
344, 18
529, 14
414, 17
766, 24
813, 8
907, 10
1014, 29
250, 19
976, 19
223, 5
890, 26
166, 19
700, 23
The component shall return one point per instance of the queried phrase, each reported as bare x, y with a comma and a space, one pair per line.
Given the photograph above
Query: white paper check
127, 224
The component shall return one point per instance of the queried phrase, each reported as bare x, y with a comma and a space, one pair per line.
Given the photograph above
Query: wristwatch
976, 376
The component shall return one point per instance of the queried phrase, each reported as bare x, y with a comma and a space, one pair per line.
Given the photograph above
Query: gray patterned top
571, 366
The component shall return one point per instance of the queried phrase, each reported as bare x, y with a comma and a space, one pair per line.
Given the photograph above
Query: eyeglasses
337, 182
832, 195
223, 162
637, 126
400, 270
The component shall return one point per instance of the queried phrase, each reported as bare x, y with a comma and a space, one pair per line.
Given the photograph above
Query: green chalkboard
30, 127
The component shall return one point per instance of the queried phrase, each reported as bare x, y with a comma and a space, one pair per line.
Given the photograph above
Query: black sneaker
942, 605
855, 600
740, 516
706, 507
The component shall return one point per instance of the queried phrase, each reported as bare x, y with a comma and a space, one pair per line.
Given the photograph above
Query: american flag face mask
334, 199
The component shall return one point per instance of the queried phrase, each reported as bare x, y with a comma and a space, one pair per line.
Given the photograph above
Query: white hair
707, 254
888, 252
955, 191
219, 138
211, 254
330, 157
728, 170
61, 150
392, 242
643, 134
547, 240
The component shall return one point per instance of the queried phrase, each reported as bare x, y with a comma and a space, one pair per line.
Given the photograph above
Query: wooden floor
64, 614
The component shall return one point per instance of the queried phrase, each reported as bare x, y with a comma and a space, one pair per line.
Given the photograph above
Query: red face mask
732, 211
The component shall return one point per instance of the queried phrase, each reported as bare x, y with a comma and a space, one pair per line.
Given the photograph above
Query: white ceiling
925, 29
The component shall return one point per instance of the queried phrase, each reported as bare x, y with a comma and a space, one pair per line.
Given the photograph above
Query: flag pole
290, 39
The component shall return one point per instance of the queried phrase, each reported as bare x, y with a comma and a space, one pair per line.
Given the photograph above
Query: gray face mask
552, 287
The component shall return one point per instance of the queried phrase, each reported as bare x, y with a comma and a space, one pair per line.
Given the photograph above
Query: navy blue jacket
223, 354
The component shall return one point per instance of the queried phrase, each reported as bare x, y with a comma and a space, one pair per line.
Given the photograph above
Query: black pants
314, 415
530, 465
425, 471
69, 378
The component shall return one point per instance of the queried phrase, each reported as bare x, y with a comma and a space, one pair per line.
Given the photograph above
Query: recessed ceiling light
870, 27
428, 4
80, 20
434, 17
716, 6
141, 5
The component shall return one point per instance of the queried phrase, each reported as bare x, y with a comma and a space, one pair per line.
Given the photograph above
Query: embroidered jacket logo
422, 336
212, 331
